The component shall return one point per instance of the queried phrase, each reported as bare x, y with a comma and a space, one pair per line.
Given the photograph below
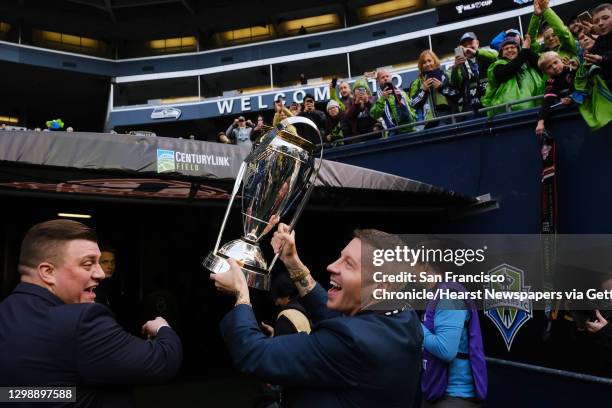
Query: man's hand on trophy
233, 282
283, 244
274, 219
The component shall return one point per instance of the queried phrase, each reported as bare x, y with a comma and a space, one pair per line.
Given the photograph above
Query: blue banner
238, 105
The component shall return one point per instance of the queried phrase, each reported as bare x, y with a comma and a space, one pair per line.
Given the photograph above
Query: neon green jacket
528, 82
399, 117
567, 43
595, 104
484, 58
419, 99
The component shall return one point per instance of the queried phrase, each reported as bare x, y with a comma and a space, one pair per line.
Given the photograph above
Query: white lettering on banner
473, 6
321, 94
398, 80
257, 102
225, 106
299, 99
245, 104
208, 159
260, 103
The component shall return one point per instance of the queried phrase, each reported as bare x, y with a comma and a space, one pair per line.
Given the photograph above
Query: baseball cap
468, 36
240, 117
513, 32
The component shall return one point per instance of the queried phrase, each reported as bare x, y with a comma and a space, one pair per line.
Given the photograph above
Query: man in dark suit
53, 334
353, 357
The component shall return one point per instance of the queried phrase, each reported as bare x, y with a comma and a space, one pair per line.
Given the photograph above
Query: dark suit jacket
367, 360
44, 342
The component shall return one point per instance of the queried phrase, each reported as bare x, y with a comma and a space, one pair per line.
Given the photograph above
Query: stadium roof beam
106, 7
109, 10
189, 5
117, 4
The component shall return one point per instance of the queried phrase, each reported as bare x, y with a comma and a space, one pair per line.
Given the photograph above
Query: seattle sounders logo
165, 161
509, 315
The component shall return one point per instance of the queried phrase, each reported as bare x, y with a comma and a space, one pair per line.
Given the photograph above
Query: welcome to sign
320, 93
239, 105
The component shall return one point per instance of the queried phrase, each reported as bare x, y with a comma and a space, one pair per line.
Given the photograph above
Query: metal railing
407, 127
551, 371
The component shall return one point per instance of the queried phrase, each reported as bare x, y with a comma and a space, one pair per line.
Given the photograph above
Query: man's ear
46, 273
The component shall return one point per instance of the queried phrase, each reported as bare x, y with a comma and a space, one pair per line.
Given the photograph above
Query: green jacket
527, 83
567, 44
425, 103
399, 118
594, 98
484, 58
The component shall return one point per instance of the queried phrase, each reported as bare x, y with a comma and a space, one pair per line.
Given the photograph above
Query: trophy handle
231, 202
300, 208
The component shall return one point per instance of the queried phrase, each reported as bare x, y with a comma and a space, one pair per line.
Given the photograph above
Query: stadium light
4, 27
173, 44
388, 9
245, 35
66, 41
9, 119
73, 215
311, 24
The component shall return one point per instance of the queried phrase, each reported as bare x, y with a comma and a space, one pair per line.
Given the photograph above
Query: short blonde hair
433, 57
545, 58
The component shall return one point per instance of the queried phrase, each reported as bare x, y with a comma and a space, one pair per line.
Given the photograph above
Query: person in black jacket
291, 317
601, 330
514, 76
316, 116
600, 53
336, 125
53, 334
558, 87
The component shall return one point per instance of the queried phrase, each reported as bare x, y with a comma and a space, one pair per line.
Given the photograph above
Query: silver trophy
278, 173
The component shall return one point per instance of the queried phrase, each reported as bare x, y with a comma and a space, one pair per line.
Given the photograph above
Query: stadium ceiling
147, 19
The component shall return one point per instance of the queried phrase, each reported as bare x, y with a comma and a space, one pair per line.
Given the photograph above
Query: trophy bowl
277, 175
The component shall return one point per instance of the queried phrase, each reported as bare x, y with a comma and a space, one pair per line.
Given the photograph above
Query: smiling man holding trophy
354, 356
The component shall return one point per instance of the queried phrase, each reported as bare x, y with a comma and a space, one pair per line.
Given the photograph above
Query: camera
387, 86
334, 82
434, 73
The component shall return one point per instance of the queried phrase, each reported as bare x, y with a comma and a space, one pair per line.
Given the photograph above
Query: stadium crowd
570, 67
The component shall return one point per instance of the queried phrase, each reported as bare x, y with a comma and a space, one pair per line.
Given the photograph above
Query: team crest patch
508, 314
165, 161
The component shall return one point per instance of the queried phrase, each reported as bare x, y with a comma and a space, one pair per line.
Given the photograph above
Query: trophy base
257, 279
